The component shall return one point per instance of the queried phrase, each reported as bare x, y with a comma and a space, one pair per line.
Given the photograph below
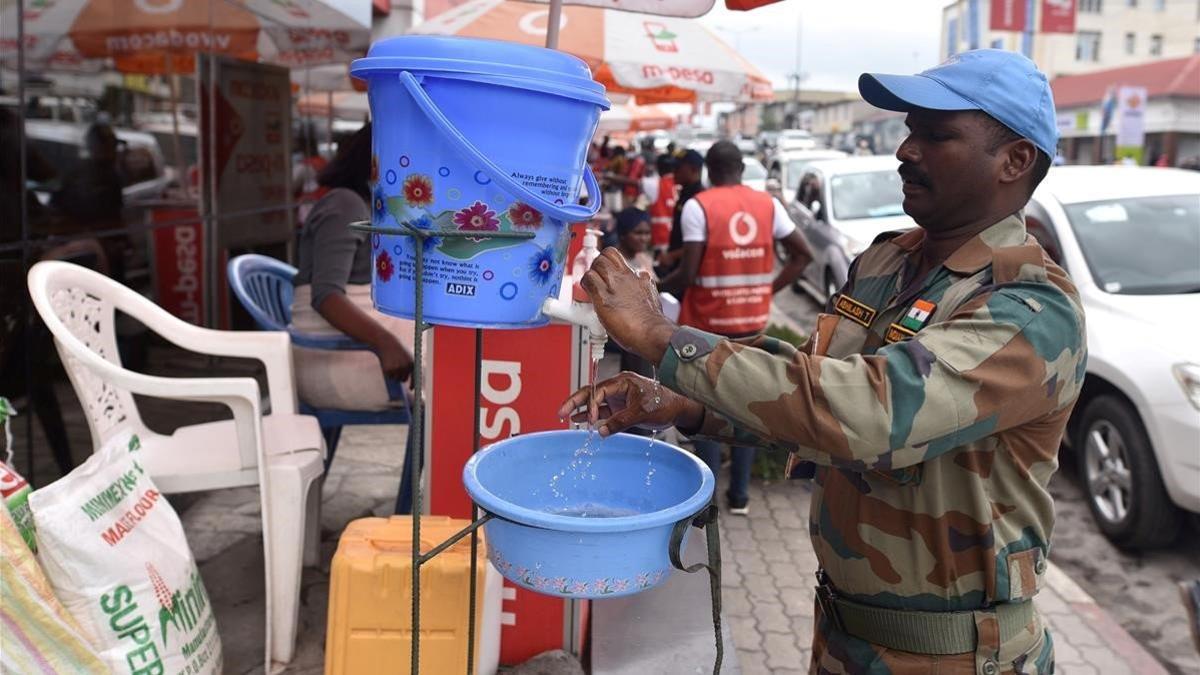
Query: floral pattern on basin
570, 586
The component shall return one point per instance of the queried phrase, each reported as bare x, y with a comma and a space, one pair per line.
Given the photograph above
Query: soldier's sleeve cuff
687, 348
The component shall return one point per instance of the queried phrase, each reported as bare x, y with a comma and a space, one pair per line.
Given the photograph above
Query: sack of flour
117, 558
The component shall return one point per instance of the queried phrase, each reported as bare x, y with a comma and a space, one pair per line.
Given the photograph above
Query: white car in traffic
848, 203
1130, 239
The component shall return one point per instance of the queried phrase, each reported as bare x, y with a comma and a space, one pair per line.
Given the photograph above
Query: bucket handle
706, 519
567, 213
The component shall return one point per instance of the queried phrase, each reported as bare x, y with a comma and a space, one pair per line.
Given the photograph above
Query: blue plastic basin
632, 490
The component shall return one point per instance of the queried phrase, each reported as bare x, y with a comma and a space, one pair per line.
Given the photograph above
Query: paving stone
788, 575
1049, 602
770, 617
751, 562
753, 663
797, 601
773, 551
797, 541
1076, 669
1072, 629
729, 522
736, 602
1106, 661
805, 657
745, 634
1064, 652
781, 651
740, 540
764, 530
789, 519
778, 499
731, 575
761, 587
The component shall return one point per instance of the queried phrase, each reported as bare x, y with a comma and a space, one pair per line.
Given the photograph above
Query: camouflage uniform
932, 448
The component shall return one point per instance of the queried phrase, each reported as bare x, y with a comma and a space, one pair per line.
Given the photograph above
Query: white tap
571, 305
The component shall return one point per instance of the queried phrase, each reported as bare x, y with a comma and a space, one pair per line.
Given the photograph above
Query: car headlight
1188, 375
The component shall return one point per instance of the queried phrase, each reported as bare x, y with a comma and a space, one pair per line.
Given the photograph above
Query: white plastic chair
281, 452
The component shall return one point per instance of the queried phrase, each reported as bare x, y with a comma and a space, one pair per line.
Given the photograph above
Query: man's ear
1019, 159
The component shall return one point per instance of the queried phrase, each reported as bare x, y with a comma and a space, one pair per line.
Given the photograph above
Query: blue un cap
1005, 85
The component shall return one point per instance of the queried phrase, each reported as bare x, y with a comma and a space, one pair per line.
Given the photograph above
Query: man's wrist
691, 418
657, 340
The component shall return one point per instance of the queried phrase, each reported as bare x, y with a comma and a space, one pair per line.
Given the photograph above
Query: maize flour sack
115, 553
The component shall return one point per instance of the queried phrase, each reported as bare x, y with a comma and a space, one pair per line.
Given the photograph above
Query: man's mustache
911, 173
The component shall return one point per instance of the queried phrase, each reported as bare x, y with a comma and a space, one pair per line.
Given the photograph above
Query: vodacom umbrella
163, 36
634, 118
658, 59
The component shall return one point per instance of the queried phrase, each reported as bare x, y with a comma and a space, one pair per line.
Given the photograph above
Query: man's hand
628, 400
628, 305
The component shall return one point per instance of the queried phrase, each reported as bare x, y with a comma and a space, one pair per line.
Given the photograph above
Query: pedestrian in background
332, 294
728, 269
689, 168
633, 241
663, 207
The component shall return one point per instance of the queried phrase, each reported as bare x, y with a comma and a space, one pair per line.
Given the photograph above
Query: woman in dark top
333, 293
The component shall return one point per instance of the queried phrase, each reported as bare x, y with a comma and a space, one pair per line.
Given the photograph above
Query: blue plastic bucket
585, 524
482, 136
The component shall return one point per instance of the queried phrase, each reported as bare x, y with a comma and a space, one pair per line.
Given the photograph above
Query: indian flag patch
918, 314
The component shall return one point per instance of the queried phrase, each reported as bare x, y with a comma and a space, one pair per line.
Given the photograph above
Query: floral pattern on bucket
541, 266
524, 216
418, 190
384, 267
379, 205
477, 217
426, 223
570, 586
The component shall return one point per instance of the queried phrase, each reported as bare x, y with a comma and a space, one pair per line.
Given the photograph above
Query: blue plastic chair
264, 287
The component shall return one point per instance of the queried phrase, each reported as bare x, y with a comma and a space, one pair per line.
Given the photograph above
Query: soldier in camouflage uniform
931, 398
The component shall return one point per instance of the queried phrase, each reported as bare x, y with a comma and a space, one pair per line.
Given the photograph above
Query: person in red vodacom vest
728, 271
663, 208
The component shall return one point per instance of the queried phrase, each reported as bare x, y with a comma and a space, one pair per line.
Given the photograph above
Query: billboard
1009, 15
1058, 16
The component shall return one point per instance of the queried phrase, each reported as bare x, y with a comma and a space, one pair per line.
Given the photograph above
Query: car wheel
1124, 488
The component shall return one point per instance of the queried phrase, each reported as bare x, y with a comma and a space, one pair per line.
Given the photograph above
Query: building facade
1107, 33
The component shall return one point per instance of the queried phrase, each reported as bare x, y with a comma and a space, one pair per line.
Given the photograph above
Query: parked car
849, 202
748, 146
788, 167
1130, 239
140, 159
795, 139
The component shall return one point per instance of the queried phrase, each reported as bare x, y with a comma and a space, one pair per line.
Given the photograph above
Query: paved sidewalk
768, 596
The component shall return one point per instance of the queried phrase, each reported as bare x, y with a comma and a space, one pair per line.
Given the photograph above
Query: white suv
1130, 238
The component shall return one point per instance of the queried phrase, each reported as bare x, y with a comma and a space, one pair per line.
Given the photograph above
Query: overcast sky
839, 38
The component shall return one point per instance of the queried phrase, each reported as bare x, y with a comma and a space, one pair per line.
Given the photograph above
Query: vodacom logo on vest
743, 228
158, 6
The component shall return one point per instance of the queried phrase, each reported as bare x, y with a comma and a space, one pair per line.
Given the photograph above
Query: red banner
1058, 16
179, 258
1008, 15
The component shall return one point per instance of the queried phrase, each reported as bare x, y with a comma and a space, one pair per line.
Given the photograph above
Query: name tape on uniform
854, 310
896, 333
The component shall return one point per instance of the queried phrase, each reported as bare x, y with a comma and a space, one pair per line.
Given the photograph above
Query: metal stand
417, 430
